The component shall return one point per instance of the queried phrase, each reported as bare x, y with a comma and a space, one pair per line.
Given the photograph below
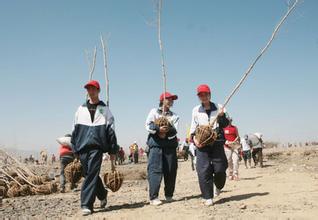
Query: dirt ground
286, 188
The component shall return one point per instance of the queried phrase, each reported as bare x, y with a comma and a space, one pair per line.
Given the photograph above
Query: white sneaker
208, 202
155, 202
86, 212
217, 191
169, 199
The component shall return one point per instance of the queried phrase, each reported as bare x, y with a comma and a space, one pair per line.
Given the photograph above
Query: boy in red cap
162, 142
93, 134
211, 161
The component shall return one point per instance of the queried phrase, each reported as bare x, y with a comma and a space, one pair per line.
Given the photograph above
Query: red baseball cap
168, 96
92, 83
203, 88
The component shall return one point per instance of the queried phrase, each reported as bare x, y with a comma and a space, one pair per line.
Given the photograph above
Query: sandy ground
286, 188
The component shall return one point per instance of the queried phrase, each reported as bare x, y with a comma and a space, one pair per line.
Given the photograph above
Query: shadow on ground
240, 197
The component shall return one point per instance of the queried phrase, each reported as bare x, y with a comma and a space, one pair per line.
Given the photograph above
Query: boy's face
168, 102
204, 97
92, 92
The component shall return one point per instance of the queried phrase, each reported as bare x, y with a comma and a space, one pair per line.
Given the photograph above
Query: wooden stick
20, 174
91, 66
163, 66
248, 71
5, 173
104, 46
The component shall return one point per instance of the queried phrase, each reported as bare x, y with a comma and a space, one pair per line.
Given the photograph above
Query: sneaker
86, 211
155, 202
208, 202
62, 190
217, 191
103, 203
169, 199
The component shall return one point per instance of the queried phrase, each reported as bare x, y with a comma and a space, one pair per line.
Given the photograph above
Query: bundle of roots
73, 171
205, 135
16, 190
113, 180
13, 191
45, 189
20, 180
3, 191
162, 121
36, 180
3, 183
25, 190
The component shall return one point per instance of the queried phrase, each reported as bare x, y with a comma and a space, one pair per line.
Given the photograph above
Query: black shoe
103, 203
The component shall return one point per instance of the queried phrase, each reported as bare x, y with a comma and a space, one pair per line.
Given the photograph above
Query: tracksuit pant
211, 170
92, 186
162, 162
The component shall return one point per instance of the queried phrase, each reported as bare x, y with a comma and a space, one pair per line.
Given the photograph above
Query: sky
43, 65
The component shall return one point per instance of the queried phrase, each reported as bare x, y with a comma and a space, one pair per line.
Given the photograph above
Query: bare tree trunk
104, 46
163, 66
91, 66
248, 71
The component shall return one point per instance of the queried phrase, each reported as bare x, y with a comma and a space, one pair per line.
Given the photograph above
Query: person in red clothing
231, 148
66, 157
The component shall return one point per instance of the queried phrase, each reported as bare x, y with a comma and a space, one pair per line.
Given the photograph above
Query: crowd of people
93, 135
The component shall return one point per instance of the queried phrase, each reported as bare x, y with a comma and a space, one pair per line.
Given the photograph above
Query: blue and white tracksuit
90, 140
162, 160
211, 161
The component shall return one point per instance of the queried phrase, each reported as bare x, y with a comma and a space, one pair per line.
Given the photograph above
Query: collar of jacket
101, 103
168, 113
213, 107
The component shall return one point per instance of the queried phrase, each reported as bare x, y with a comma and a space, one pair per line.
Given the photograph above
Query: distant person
66, 157
53, 158
131, 153
141, 153
43, 158
246, 151
93, 135
31, 159
231, 149
136, 152
121, 154
257, 144
184, 148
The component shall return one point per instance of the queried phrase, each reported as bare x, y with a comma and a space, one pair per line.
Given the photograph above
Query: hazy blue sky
43, 66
